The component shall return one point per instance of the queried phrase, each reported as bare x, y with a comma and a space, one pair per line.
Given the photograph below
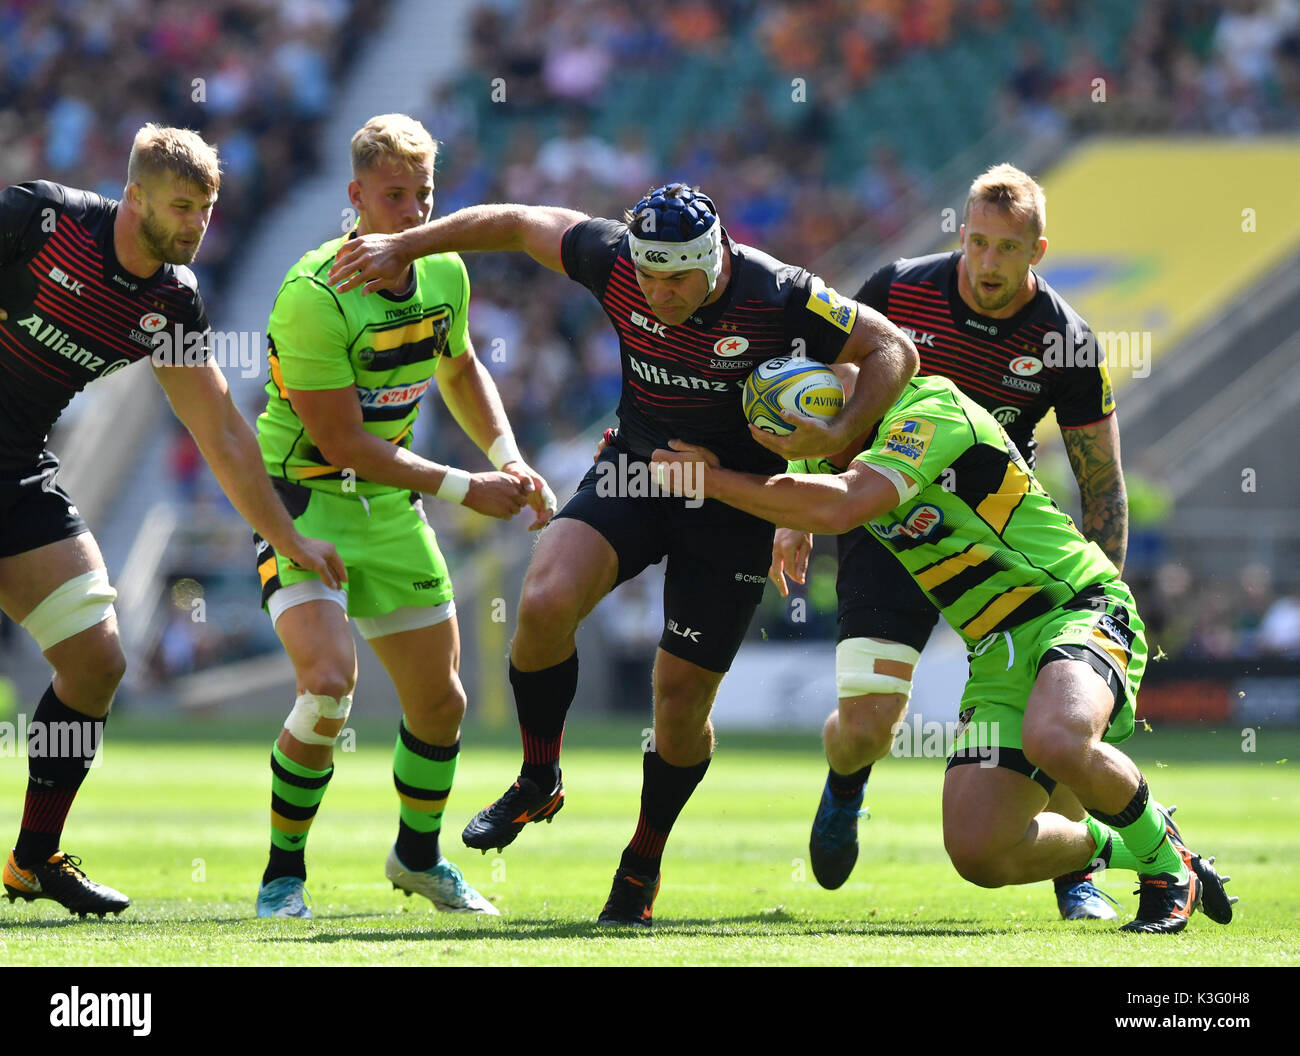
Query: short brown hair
1014, 192
392, 136
179, 151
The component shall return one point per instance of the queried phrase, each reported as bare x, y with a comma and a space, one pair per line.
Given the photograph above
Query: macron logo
76, 1009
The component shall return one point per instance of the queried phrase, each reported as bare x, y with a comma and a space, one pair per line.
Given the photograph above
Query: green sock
1118, 856
423, 774
1138, 839
296, 792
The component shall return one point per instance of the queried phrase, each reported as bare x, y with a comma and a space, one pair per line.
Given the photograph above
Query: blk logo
66, 281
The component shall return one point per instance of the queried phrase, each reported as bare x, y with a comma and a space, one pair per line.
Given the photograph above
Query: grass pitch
178, 820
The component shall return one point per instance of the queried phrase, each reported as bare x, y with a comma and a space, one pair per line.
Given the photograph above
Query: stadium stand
832, 133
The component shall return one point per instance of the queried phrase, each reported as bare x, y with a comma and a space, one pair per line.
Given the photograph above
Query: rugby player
86, 285
982, 317
694, 312
346, 377
1056, 645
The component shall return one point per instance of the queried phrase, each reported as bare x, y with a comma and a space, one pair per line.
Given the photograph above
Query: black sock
664, 791
542, 700
846, 786
418, 851
61, 745
285, 863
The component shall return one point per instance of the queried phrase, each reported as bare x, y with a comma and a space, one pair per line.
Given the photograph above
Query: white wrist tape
454, 486
504, 450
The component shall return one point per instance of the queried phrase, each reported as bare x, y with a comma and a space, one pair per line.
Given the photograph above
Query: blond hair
392, 136
1005, 187
183, 153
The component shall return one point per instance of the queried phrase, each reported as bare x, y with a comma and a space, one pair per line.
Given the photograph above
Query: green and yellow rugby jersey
387, 345
981, 537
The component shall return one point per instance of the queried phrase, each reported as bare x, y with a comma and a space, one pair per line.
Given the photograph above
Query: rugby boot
443, 885
61, 880
1078, 898
499, 824
631, 900
833, 846
285, 896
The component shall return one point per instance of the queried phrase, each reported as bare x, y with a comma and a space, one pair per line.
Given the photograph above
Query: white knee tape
71, 608
857, 671
316, 719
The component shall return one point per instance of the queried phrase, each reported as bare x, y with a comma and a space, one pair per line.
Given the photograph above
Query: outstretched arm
377, 262
471, 395
201, 399
823, 503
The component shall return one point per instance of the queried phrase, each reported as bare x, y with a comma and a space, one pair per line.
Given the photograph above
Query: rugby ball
790, 383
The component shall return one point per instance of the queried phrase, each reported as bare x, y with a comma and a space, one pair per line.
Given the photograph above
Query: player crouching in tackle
347, 375
1056, 645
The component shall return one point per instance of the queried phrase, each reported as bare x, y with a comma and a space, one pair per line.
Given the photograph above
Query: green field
176, 817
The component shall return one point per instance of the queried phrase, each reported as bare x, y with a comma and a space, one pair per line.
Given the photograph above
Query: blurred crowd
1187, 66
777, 108
78, 78
574, 131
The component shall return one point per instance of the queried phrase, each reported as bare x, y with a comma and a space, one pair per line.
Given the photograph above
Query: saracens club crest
730, 346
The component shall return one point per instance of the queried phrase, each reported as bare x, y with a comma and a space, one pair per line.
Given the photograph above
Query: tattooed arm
1094, 457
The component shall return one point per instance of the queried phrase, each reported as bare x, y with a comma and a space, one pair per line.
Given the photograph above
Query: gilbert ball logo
730, 346
152, 322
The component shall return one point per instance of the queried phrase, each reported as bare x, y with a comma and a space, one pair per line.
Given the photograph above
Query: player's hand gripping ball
790, 383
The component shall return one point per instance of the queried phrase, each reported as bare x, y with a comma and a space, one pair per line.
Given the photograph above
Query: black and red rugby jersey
683, 382
75, 314
998, 363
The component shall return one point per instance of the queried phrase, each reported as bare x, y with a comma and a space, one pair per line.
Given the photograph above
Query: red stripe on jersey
40, 365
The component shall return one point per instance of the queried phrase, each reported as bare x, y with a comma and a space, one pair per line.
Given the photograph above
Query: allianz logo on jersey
658, 376
648, 325
920, 522
394, 395
58, 341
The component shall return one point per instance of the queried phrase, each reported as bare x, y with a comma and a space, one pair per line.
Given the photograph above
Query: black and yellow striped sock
423, 774
296, 792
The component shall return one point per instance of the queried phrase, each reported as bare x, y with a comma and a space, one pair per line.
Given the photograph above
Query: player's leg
1077, 895
710, 595
60, 594
600, 538
884, 622
420, 650
312, 623
1082, 668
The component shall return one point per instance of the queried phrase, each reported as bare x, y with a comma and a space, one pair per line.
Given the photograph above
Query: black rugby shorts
34, 510
718, 557
877, 596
